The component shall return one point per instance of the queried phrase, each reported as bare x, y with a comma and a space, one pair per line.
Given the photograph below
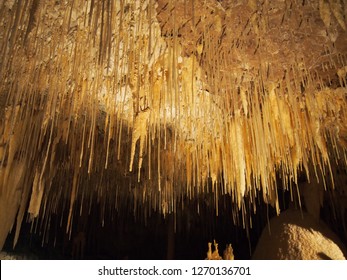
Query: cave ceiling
149, 104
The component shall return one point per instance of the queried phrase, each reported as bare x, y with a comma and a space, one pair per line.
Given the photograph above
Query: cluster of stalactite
106, 101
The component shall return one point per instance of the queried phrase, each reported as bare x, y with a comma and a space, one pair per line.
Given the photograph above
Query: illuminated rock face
297, 236
144, 104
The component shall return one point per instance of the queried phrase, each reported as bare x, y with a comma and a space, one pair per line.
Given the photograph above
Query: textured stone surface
252, 34
297, 236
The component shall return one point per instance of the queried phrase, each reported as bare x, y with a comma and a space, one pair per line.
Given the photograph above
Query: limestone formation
295, 235
142, 106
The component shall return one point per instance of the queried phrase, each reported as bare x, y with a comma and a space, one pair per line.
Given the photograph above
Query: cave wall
150, 106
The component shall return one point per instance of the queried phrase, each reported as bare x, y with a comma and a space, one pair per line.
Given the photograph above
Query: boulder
295, 235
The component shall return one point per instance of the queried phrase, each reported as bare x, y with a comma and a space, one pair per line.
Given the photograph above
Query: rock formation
295, 235
143, 106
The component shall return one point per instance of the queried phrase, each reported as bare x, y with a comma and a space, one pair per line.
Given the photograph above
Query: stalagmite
214, 255
294, 236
